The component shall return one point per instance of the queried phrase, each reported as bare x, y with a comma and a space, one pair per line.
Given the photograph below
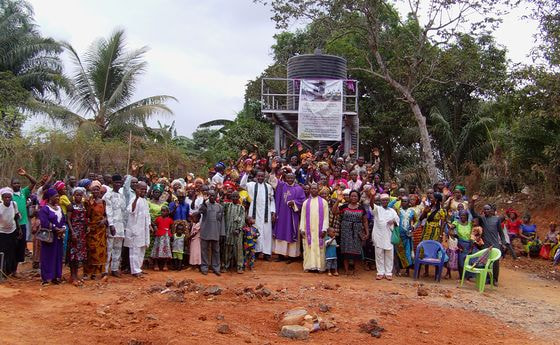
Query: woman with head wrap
96, 237
9, 230
77, 225
155, 203
457, 199
435, 218
63, 202
52, 218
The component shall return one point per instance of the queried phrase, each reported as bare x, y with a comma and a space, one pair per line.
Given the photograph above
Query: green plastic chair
481, 272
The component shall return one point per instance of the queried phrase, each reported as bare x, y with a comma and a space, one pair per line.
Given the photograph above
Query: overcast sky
201, 52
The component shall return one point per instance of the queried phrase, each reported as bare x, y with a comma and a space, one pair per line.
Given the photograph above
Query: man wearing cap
384, 219
218, 178
115, 209
137, 232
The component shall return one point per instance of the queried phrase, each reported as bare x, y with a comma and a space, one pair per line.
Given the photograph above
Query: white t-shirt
7, 217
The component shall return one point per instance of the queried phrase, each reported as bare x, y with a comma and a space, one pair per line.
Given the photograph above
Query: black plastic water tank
320, 66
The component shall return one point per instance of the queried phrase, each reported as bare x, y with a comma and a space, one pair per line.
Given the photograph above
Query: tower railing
281, 95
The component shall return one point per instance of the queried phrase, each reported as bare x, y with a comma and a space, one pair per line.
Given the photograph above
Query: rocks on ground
299, 317
213, 290
176, 296
170, 282
294, 332
223, 328
372, 327
422, 291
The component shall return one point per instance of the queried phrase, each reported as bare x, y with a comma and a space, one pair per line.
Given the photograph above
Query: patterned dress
351, 228
432, 229
250, 236
96, 237
77, 243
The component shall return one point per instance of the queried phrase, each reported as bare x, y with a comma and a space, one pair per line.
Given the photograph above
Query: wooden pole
129, 149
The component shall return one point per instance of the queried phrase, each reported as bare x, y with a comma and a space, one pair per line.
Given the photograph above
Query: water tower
280, 99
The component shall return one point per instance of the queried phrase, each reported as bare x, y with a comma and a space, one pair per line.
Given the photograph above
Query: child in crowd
476, 236
330, 252
452, 252
550, 243
161, 252
194, 255
35, 224
178, 246
250, 235
528, 235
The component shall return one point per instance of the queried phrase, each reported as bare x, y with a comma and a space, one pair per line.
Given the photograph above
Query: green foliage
103, 86
12, 97
33, 59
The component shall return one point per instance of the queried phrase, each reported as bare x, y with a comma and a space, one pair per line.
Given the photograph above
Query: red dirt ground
523, 310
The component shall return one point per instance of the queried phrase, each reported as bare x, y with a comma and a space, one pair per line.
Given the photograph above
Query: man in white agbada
137, 231
116, 210
262, 209
384, 219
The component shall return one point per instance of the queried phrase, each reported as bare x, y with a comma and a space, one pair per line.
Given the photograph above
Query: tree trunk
387, 161
406, 92
425, 141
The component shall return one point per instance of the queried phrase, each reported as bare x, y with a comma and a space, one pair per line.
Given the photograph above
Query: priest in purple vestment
289, 199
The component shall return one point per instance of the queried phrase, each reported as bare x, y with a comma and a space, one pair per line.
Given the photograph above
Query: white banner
320, 110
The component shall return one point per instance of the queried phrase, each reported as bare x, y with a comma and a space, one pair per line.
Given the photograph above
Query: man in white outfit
262, 209
115, 209
384, 219
137, 231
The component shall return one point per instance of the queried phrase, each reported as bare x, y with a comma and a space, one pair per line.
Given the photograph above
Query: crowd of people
331, 209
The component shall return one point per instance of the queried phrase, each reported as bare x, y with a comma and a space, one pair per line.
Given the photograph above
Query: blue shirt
330, 251
532, 228
182, 210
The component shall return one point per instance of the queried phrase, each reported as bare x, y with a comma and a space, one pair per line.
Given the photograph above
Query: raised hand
21, 172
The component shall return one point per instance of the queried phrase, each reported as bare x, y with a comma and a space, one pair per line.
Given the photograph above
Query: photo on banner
320, 110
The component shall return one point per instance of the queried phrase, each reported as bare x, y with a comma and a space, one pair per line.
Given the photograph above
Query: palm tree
33, 59
103, 85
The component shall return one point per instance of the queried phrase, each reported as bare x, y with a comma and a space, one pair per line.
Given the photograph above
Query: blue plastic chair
434, 255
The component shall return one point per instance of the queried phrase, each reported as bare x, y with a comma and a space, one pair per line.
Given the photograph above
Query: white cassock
137, 233
264, 242
382, 238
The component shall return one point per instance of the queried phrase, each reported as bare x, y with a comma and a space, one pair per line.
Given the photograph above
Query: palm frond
442, 127
141, 110
82, 92
218, 122
59, 114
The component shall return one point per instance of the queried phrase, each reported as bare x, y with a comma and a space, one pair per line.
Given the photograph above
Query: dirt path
524, 310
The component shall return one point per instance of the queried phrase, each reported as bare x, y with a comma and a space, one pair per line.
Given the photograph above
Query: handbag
396, 236
44, 235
